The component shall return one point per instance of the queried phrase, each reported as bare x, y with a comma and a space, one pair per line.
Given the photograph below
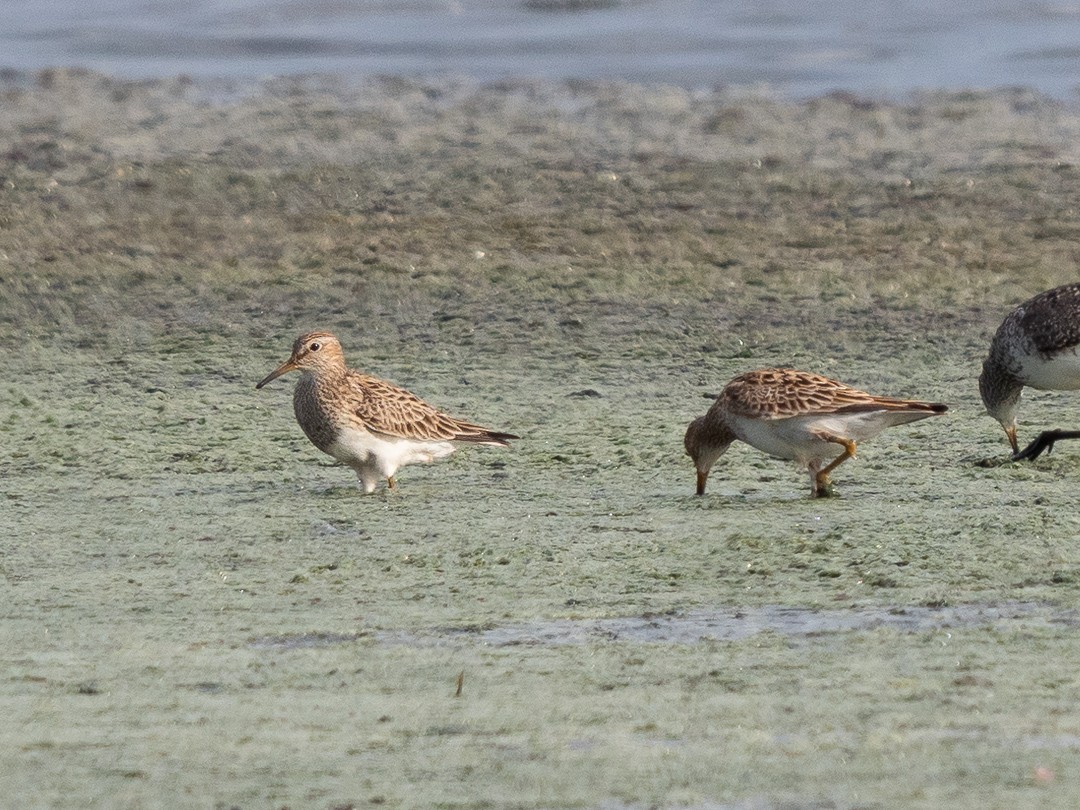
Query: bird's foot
824, 488
1044, 443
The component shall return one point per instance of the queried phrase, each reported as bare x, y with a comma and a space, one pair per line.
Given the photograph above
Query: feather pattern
372, 425
1051, 320
781, 393
385, 408
1037, 345
796, 415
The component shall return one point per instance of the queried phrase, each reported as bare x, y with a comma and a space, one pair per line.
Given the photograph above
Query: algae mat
200, 610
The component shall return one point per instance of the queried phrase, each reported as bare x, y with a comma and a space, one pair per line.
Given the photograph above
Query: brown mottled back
781, 393
385, 408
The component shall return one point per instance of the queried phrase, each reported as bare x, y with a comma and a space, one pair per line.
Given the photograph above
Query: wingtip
503, 439
488, 437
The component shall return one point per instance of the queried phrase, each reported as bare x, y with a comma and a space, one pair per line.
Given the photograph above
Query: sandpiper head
706, 440
314, 352
1000, 393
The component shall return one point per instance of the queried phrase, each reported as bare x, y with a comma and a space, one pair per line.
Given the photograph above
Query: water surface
800, 49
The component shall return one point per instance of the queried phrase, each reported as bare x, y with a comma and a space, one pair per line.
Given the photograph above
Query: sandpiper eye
314, 347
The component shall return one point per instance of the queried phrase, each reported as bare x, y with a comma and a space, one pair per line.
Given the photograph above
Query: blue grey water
799, 48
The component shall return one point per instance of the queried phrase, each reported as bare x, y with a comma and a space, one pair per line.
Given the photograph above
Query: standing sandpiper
1038, 344
367, 423
796, 415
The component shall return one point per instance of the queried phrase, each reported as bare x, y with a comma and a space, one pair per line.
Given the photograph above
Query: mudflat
201, 610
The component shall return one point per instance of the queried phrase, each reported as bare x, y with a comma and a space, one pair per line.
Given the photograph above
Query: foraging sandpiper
367, 423
798, 416
1038, 344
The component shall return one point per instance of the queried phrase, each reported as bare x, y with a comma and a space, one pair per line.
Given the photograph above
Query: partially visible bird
369, 424
1038, 345
799, 416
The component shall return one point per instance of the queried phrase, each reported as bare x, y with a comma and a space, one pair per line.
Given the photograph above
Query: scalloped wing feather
393, 411
776, 393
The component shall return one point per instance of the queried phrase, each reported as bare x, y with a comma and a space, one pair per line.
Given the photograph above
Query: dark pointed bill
284, 368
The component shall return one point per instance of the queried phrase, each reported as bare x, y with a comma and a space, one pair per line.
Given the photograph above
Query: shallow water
800, 50
200, 605
698, 626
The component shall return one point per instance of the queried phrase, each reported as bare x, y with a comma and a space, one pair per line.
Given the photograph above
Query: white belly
1060, 373
799, 437
785, 438
374, 456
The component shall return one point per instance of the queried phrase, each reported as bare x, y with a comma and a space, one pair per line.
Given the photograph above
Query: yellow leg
391, 482
821, 479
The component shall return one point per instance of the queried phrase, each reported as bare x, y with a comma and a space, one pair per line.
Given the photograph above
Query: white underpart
799, 437
1060, 373
376, 458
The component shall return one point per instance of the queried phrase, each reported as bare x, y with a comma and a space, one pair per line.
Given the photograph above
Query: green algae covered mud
200, 610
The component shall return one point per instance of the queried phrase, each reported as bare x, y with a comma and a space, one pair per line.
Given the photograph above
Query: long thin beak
702, 477
284, 368
1010, 431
